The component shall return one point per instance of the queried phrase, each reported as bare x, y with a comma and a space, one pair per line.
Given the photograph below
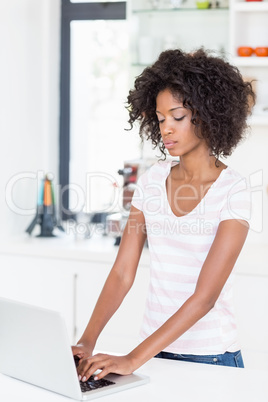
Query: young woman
194, 213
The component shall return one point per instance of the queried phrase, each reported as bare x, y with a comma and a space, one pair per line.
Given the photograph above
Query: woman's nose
167, 128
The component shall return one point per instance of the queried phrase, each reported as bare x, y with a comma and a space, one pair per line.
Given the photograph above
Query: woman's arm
118, 283
216, 269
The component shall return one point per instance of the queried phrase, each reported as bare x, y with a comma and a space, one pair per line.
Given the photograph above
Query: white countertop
171, 381
252, 260
98, 248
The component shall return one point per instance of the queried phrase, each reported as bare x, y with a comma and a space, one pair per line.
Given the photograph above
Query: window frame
75, 12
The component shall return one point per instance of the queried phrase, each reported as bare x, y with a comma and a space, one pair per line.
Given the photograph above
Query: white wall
29, 100
250, 160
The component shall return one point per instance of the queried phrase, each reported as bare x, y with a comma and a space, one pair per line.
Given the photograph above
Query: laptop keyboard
92, 384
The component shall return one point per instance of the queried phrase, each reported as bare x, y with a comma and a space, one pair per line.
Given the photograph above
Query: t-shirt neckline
213, 185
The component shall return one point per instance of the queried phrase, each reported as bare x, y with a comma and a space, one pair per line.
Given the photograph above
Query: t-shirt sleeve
237, 203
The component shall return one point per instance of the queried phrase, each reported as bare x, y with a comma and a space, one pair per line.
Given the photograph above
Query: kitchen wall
250, 159
29, 103
29, 107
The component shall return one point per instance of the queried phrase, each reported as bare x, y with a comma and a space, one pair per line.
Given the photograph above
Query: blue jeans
226, 359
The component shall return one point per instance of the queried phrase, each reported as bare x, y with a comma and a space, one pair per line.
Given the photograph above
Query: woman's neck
200, 168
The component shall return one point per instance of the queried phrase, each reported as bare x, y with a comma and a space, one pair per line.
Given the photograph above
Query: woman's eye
175, 118
179, 118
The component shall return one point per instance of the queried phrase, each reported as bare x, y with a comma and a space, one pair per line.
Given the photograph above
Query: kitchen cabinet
121, 334
157, 29
251, 301
67, 276
40, 281
249, 27
157, 26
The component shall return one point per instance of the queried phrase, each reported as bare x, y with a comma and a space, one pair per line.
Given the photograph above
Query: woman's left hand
107, 363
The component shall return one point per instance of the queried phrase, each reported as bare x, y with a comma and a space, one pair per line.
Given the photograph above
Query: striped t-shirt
178, 247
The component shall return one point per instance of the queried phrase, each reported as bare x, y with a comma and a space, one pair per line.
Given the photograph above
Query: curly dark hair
215, 92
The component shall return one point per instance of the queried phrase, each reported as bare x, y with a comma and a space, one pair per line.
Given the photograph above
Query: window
94, 88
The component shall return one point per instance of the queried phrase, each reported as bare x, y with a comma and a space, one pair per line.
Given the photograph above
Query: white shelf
251, 6
252, 61
179, 10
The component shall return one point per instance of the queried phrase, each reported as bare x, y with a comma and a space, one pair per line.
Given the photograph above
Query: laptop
34, 347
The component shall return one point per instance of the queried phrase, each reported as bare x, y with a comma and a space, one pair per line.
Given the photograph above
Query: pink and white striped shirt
178, 247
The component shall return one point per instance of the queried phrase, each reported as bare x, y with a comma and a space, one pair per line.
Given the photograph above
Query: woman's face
177, 131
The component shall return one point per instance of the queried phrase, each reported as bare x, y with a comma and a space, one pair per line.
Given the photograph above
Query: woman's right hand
82, 350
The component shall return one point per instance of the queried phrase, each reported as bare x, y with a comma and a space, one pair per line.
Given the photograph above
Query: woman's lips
169, 144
